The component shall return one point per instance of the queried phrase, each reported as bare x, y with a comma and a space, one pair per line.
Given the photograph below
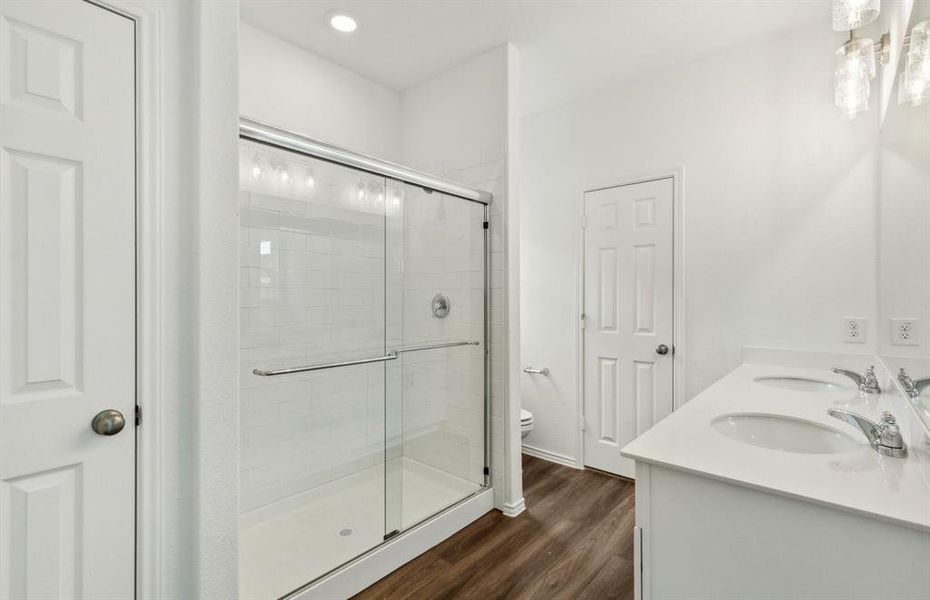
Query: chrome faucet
867, 382
912, 387
884, 437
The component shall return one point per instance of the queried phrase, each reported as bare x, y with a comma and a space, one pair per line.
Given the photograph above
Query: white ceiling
567, 48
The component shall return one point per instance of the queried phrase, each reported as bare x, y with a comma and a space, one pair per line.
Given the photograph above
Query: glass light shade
914, 83
855, 68
851, 14
914, 93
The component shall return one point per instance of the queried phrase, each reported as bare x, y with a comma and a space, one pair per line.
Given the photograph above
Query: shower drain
346, 531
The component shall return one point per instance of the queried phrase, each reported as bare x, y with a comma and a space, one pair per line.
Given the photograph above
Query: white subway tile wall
443, 390
483, 167
312, 256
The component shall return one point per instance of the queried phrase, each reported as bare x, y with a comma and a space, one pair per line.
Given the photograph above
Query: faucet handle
907, 383
869, 383
889, 435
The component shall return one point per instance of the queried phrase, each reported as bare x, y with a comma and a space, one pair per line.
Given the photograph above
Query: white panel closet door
67, 300
628, 295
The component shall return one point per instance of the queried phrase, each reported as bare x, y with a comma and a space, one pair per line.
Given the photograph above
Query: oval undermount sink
778, 432
801, 384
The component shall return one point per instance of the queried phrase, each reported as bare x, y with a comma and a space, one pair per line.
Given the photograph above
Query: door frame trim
148, 18
677, 175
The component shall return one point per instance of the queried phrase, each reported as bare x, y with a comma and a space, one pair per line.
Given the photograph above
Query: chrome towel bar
544, 371
320, 367
362, 361
440, 345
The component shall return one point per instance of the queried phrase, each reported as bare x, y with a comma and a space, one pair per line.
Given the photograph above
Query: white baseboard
369, 568
512, 509
552, 457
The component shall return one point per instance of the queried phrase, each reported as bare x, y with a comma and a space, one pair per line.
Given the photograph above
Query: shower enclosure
364, 298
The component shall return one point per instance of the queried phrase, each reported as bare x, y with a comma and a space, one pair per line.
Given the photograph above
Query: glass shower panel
436, 315
312, 247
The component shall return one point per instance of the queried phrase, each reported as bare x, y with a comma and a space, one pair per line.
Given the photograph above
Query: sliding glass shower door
436, 389
312, 290
363, 355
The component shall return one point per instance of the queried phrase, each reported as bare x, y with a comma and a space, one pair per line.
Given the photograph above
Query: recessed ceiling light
343, 23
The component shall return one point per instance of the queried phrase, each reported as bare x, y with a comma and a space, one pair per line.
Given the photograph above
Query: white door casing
628, 307
67, 300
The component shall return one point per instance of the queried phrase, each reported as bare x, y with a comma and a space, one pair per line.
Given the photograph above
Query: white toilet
526, 422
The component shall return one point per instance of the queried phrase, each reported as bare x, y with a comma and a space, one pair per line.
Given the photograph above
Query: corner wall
456, 126
291, 88
216, 417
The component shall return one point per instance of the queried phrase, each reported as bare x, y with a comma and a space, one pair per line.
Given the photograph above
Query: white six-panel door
67, 300
628, 307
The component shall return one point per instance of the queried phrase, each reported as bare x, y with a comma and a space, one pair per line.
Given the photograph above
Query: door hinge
138, 415
486, 225
487, 470
583, 317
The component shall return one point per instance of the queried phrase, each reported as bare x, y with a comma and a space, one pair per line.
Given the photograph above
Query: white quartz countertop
858, 480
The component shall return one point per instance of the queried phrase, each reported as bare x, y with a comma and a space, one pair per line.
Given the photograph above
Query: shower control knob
662, 349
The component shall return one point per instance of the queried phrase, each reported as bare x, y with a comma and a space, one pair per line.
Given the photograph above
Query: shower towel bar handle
320, 367
435, 346
392, 355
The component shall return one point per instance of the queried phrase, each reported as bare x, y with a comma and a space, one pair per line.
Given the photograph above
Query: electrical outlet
855, 330
904, 332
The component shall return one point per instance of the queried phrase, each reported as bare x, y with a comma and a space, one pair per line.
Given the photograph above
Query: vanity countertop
858, 480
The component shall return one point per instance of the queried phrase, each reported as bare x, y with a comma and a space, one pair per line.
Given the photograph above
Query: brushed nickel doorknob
662, 349
108, 422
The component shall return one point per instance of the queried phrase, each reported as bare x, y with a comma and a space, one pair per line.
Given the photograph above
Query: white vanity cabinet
754, 491
699, 537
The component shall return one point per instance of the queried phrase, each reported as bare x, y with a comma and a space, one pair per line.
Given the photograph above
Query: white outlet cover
905, 332
855, 330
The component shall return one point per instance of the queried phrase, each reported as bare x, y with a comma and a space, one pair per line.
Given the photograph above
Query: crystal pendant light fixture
914, 82
852, 14
855, 68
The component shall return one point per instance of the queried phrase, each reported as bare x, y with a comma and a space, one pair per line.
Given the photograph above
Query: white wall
216, 417
456, 126
904, 215
291, 88
904, 252
187, 442
779, 212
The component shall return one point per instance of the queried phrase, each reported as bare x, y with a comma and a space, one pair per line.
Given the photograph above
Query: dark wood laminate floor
573, 541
